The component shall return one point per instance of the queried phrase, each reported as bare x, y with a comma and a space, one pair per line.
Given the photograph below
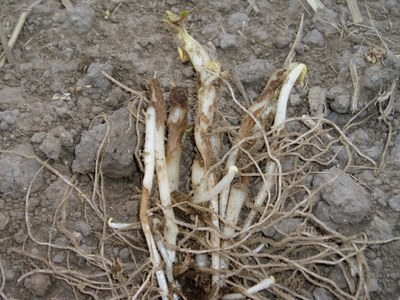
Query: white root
149, 163
204, 119
264, 284
213, 193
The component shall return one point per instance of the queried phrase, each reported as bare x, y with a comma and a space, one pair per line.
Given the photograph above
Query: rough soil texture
56, 103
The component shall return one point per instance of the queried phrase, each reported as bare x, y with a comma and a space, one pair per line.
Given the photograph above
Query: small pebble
35, 251
314, 39
322, 294
38, 284
83, 227
227, 41
19, 237
59, 18
124, 253
379, 229
394, 203
59, 258
238, 20
61, 241
3, 125
10, 275
283, 40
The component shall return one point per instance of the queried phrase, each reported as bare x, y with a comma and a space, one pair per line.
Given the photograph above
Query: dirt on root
57, 105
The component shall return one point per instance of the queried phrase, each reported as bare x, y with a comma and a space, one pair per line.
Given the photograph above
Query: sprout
208, 69
297, 72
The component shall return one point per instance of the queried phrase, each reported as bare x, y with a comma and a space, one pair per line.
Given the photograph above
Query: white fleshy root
235, 205
164, 254
173, 169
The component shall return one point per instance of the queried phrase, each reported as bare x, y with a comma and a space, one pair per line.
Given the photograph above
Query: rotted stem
171, 229
264, 108
177, 125
209, 71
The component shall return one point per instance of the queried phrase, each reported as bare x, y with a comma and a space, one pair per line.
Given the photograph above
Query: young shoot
297, 72
208, 69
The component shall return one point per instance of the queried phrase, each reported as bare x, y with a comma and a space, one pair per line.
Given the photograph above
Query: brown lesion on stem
177, 121
157, 100
268, 96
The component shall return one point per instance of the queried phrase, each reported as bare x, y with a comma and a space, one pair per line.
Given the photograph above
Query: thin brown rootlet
297, 260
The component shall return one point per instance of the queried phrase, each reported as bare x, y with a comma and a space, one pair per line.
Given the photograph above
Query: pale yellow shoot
206, 67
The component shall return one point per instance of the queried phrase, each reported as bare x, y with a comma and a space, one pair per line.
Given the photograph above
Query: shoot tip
233, 169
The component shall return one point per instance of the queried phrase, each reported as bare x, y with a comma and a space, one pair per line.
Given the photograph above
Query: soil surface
56, 103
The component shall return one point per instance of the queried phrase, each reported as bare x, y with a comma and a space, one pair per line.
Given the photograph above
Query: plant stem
177, 124
149, 164
171, 229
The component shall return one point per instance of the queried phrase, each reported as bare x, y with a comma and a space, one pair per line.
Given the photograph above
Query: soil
55, 103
